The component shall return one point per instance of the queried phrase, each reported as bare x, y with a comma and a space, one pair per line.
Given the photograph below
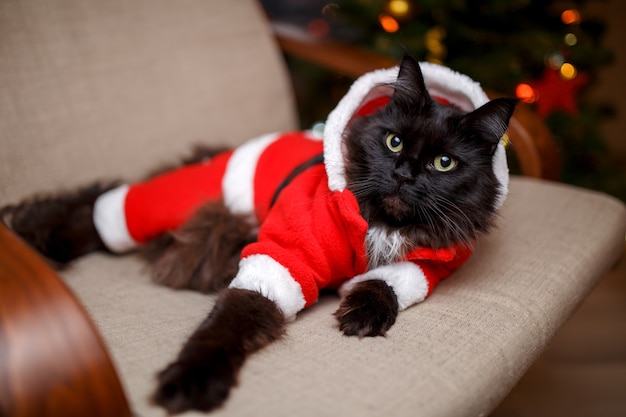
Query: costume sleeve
414, 279
407, 280
438, 264
264, 274
306, 243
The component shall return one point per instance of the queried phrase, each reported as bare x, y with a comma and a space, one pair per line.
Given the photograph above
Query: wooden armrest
532, 142
344, 59
52, 360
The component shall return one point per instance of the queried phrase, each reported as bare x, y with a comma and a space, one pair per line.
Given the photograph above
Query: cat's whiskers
423, 213
363, 188
460, 231
453, 206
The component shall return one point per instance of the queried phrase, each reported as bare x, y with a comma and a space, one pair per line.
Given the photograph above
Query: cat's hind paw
193, 385
60, 226
370, 309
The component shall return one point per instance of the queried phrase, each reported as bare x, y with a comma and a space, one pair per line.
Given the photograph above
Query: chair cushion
458, 353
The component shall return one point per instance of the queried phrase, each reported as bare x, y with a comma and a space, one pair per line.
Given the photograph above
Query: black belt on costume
309, 163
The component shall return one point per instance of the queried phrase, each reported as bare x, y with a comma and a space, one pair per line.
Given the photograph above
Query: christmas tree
545, 52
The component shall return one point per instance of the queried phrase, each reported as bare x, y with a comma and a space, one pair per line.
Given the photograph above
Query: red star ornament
554, 92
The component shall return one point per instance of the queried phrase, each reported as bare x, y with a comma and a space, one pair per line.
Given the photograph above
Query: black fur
59, 226
203, 254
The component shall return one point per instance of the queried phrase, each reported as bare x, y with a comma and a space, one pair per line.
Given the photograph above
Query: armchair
93, 89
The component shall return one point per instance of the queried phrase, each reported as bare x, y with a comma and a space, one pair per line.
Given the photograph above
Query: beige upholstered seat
112, 89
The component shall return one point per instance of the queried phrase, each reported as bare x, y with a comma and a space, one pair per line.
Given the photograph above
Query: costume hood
441, 82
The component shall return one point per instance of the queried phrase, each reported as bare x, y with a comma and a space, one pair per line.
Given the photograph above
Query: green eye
444, 163
394, 143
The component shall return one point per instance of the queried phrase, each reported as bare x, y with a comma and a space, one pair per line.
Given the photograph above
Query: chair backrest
96, 89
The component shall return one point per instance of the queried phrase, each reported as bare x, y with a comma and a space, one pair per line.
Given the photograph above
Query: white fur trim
110, 220
405, 278
338, 121
261, 273
440, 81
238, 181
455, 87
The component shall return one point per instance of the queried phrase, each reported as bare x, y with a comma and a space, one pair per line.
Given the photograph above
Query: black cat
390, 202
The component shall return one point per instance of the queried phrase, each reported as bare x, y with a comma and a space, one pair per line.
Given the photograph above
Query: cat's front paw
201, 385
370, 309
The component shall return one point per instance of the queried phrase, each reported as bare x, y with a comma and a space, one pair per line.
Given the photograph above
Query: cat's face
426, 168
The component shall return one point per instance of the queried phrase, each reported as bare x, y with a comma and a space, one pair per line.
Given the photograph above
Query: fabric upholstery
456, 354
112, 89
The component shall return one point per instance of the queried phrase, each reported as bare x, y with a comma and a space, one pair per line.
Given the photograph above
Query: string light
526, 93
570, 17
570, 39
555, 60
388, 23
433, 39
399, 8
568, 71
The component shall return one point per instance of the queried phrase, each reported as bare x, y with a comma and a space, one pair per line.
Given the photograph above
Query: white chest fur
384, 246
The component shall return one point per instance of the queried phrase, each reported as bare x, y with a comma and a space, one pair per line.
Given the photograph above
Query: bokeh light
433, 40
318, 28
570, 39
330, 9
388, 23
399, 8
526, 93
568, 71
555, 60
570, 17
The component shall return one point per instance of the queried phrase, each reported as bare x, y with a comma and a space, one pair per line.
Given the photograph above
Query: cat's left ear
491, 120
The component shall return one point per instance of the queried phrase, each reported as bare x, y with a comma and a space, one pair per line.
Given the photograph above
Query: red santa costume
311, 234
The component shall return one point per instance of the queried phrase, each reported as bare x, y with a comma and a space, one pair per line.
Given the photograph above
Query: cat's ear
409, 86
491, 120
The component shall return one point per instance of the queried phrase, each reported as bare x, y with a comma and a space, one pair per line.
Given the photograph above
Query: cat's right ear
409, 86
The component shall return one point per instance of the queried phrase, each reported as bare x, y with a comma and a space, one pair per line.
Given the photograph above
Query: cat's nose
404, 171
